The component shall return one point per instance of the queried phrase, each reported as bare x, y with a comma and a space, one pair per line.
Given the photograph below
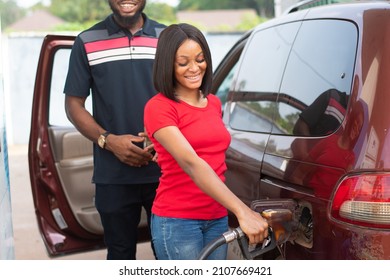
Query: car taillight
363, 200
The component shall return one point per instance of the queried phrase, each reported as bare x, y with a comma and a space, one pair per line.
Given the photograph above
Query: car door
299, 164
61, 161
250, 105
248, 81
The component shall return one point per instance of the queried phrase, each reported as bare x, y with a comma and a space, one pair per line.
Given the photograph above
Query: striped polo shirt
115, 67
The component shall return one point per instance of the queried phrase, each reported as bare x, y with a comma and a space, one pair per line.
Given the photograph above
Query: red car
305, 100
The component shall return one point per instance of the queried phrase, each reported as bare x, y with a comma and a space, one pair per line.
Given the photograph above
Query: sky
29, 3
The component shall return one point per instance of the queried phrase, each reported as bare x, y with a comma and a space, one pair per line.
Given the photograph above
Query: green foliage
249, 21
75, 26
264, 8
80, 11
211, 5
161, 12
86, 10
10, 13
80, 14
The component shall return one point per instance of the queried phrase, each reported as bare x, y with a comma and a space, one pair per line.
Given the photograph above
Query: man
113, 60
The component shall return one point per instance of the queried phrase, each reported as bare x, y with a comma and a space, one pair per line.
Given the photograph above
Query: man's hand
123, 147
148, 145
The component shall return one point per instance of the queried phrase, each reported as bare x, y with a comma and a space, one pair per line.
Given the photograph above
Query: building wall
6, 230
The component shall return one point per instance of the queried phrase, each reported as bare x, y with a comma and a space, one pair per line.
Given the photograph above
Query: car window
223, 89
319, 75
258, 82
57, 115
223, 76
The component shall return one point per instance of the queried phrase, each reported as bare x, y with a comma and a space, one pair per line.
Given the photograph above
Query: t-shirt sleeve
158, 114
217, 102
78, 80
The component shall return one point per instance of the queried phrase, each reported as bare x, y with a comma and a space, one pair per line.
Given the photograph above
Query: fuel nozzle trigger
252, 251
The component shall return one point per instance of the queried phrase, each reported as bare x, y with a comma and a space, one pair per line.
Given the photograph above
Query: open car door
61, 162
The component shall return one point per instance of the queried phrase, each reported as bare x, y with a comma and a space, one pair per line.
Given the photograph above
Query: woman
184, 123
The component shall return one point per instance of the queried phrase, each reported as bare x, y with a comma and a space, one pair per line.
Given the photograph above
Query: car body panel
283, 156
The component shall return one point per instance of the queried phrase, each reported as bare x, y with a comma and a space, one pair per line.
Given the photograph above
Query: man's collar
113, 27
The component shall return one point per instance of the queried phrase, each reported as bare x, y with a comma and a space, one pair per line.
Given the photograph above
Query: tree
161, 12
10, 13
80, 11
85, 12
263, 8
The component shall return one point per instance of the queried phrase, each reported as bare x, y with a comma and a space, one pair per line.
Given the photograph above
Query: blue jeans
184, 239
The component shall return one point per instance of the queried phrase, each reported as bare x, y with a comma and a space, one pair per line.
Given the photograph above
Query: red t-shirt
177, 195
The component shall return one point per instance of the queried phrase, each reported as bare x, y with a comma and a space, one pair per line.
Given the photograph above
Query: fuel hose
211, 247
225, 238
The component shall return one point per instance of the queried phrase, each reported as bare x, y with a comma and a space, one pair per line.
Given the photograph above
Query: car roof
348, 11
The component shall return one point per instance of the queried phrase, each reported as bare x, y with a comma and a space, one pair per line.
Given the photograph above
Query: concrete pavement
28, 243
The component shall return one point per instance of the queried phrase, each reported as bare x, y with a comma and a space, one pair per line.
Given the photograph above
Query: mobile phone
147, 142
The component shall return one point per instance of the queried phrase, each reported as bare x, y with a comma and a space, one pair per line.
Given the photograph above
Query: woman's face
190, 66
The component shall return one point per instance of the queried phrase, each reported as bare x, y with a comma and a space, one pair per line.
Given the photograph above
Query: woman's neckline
198, 102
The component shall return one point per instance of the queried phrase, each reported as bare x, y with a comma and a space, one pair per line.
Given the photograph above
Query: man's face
127, 12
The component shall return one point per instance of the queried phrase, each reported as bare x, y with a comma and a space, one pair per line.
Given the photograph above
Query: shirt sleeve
216, 102
158, 114
78, 80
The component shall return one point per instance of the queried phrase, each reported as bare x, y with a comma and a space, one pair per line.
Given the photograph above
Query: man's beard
127, 21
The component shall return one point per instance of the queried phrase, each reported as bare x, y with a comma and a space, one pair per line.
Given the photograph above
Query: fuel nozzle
281, 217
279, 220
251, 251
279, 231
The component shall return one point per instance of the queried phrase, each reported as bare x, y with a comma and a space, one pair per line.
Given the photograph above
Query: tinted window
223, 89
224, 75
258, 82
318, 77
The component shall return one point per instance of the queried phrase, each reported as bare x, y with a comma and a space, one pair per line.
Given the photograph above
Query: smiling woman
184, 123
